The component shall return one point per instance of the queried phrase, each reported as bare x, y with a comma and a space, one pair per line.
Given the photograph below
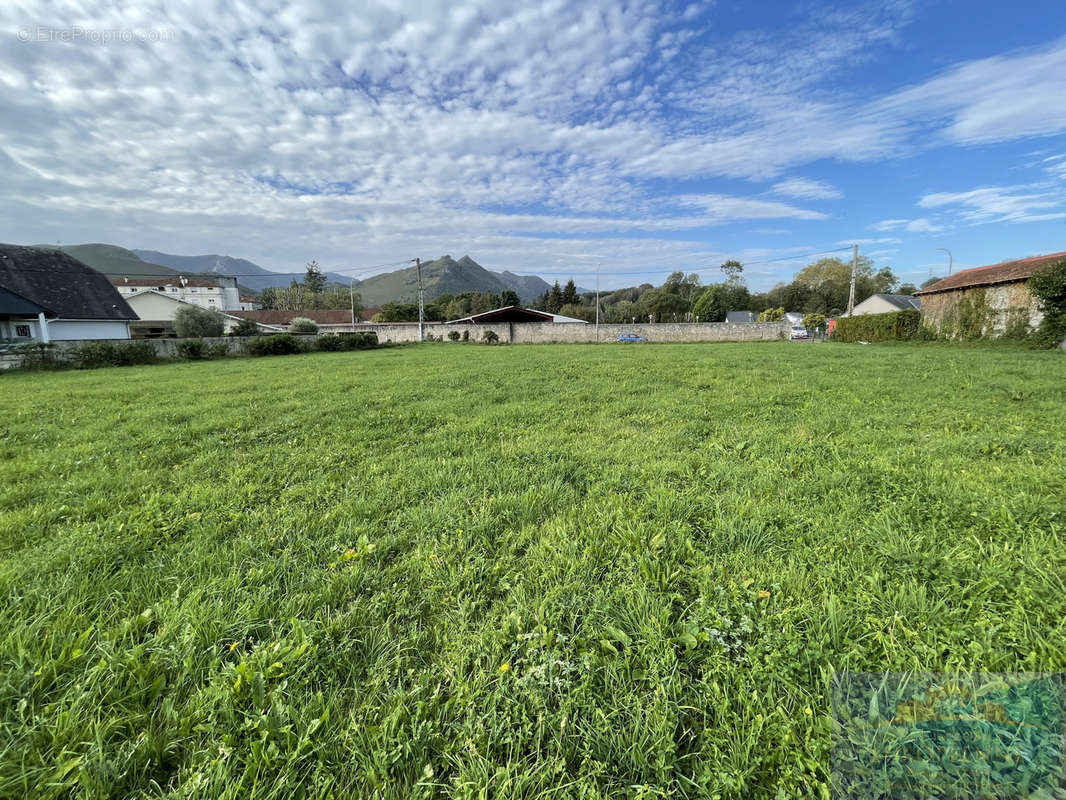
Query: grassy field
539, 571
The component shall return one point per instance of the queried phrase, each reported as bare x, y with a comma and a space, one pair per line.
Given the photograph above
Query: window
23, 331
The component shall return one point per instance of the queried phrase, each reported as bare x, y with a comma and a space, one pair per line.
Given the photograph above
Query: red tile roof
341, 316
1006, 272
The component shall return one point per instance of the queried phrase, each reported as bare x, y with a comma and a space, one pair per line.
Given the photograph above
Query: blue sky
543, 137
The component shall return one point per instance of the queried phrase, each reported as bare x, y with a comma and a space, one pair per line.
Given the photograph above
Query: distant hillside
110, 259
251, 274
445, 275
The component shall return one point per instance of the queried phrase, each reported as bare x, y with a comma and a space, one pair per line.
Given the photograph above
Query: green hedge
334, 342
280, 344
894, 327
89, 355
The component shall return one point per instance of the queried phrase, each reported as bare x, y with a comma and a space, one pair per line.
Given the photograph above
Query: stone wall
993, 309
512, 333
164, 348
548, 332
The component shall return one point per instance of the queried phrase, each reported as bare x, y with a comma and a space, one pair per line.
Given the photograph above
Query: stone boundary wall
550, 332
512, 333
164, 348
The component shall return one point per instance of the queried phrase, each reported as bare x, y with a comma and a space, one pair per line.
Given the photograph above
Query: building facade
219, 293
990, 301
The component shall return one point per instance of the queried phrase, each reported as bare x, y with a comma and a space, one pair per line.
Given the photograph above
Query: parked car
631, 337
799, 332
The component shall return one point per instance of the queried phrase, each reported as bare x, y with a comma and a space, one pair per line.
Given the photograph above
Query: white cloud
993, 99
909, 225
724, 208
923, 226
1002, 203
807, 188
889, 225
868, 242
286, 131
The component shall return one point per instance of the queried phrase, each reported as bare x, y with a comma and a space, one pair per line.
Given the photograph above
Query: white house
156, 311
219, 293
886, 304
48, 295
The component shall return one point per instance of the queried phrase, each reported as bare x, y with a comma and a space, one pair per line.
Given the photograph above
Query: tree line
314, 292
819, 288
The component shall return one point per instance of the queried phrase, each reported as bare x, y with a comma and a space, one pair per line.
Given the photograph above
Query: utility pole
352, 288
421, 304
597, 302
851, 291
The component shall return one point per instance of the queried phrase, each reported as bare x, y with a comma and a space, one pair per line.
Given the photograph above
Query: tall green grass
559, 571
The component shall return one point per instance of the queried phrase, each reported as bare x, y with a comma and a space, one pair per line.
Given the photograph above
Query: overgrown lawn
540, 571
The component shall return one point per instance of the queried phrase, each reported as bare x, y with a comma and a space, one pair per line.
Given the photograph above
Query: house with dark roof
886, 304
48, 295
993, 298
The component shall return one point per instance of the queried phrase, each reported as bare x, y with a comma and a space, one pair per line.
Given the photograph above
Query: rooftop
900, 301
341, 316
60, 284
1005, 272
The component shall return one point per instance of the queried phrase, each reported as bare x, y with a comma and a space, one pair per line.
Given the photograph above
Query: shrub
280, 344
772, 315
193, 322
217, 350
303, 325
38, 355
363, 340
1049, 286
128, 355
330, 343
453, 336
466, 336
190, 349
814, 321
897, 326
89, 355
490, 337
246, 327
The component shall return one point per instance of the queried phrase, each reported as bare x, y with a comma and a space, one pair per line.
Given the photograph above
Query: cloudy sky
542, 137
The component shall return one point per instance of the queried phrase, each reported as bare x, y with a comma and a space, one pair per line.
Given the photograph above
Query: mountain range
249, 274
444, 275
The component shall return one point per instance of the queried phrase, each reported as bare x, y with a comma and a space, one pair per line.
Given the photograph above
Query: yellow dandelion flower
505, 667
763, 594
233, 646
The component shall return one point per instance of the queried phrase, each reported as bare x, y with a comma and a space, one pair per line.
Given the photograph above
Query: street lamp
951, 260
